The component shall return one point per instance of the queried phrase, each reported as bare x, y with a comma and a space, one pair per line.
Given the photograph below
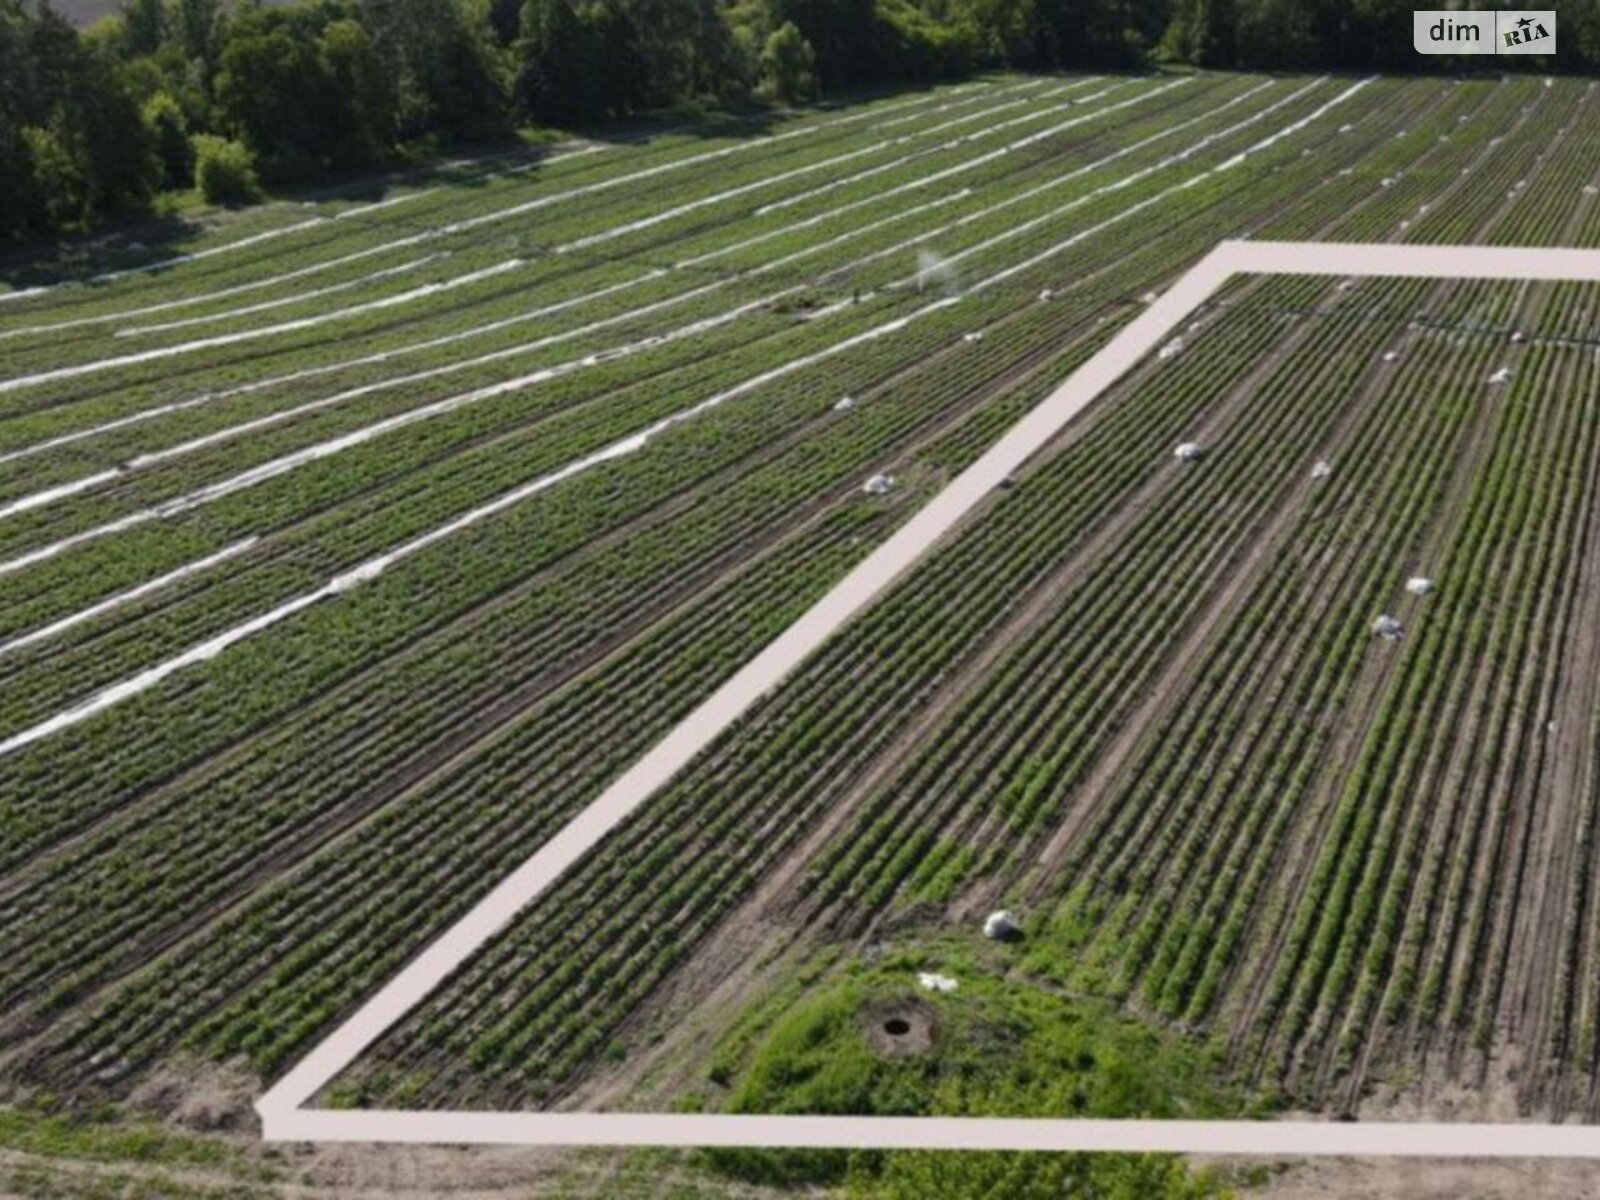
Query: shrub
169, 130
788, 64
62, 195
225, 171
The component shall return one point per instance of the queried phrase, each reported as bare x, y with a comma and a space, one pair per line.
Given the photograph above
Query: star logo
1525, 22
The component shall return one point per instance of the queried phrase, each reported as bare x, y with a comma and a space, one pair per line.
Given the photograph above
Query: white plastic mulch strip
63, 440
55, 629
951, 144
1192, 181
282, 301
60, 492
678, 210
605, 185
375, 567
247, 335
445, 406
1054, 214
845, 181
1023, 143
282, 465
1127, 181
192, 445
977, 96
270, 234
162, 410
1287, 131
206, 298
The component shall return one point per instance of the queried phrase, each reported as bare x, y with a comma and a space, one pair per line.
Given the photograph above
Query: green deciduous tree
361, 119
75, 147
273, 96
225, 171
789, 64
144, 26
169, 134
92, 122
560, 64
196, 25
443, 79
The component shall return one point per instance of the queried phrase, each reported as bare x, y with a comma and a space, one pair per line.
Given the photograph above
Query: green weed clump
999, 1045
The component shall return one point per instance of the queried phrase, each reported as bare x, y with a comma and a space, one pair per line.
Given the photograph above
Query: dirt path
1414, 1179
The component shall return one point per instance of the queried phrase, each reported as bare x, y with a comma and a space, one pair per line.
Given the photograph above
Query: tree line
170, 95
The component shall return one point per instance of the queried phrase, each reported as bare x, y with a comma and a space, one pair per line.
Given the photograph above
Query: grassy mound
868, 1038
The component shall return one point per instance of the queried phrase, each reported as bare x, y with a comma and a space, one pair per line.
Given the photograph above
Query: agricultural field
349, 548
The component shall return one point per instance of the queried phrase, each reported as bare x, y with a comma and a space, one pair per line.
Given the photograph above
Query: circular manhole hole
898, 1028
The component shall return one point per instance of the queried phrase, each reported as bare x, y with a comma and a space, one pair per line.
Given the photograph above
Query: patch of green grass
948, 1175
51, 1136
1065, 948
737, 1041
105, 1155
1002, 1044
1055, 1053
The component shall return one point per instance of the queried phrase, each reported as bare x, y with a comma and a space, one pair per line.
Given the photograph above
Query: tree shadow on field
143, 241
68, 259
751, 120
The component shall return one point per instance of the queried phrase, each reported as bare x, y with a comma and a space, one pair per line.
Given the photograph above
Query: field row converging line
85, 484
374, 567
144, 681
436, 408
480, 330
247, 335
721, 196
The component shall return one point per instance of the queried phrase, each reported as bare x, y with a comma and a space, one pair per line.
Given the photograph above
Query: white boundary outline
283, 1111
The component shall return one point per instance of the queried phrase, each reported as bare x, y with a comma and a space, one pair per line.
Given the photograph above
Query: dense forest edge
218, 102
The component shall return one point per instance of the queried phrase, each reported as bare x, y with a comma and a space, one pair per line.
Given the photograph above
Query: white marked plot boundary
285, 1109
